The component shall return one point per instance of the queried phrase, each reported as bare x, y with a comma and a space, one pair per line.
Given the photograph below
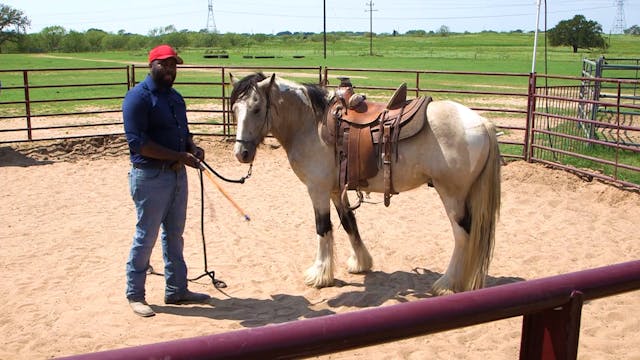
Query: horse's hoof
442, 287
317, 284
313, 280
359, 267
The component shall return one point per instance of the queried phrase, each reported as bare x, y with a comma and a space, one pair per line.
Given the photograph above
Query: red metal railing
551, 310
534, 118
38, 92
590, 132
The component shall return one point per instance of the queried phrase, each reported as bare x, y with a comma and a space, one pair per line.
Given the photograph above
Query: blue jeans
160, 197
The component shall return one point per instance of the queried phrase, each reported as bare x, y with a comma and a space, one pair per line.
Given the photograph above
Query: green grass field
487, 52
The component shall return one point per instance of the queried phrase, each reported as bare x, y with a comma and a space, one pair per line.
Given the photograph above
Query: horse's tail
484, 204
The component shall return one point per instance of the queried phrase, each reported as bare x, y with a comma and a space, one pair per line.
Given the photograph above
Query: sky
272, 17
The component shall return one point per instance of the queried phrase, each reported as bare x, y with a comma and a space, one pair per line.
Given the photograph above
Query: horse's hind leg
360, 260
454, 279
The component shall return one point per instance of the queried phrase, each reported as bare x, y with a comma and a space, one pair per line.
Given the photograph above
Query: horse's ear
233, 79
268, 83
273, 80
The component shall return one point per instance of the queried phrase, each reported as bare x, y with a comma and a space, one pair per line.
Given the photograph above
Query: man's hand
198, 152
190, 159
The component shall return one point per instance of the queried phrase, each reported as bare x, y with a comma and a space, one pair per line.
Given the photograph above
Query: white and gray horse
457, 152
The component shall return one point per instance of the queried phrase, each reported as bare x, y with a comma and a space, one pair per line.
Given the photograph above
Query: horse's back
459, 138
453, 116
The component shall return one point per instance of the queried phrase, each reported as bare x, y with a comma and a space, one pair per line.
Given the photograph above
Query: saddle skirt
365, 134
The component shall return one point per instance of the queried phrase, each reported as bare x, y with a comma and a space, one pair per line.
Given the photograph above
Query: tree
579, 33
443, 30
416, 33
94, 39
634, 30
52, 37
13, 24
74, 42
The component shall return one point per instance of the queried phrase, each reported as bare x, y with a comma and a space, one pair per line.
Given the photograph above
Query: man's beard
163, 80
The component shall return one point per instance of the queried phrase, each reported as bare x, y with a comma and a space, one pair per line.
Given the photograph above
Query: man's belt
173, 166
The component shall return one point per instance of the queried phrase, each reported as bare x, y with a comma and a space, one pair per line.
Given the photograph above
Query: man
155, 124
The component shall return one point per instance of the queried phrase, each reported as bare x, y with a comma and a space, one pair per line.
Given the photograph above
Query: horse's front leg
320, 274
360, 260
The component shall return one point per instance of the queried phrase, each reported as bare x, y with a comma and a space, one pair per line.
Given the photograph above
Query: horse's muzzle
244, 150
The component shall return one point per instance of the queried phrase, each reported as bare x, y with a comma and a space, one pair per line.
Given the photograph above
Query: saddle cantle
365, 134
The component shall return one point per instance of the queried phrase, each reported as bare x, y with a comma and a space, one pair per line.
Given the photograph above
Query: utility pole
370, 27
324, 26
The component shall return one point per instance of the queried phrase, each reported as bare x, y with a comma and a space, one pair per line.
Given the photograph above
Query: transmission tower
211, 23
620, 24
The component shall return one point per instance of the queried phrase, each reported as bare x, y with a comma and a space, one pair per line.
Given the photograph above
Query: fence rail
563, 121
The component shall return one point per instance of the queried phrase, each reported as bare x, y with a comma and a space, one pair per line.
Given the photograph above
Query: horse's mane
244, 85
317, 94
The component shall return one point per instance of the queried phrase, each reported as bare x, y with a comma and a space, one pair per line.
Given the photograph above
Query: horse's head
250, 103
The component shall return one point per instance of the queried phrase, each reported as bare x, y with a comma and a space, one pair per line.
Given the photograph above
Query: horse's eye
256, 110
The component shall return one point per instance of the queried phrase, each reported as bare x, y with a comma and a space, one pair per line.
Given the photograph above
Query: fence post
128, 78
325, 81
553, 333
531, 108
27, 102
226, 118
618, 103
133, 75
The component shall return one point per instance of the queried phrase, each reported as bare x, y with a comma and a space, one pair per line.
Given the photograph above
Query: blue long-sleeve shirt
150, 113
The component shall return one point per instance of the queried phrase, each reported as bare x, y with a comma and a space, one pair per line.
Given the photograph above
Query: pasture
68, 227
503, 52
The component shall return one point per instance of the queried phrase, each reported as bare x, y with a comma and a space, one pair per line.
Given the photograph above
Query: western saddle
366, 134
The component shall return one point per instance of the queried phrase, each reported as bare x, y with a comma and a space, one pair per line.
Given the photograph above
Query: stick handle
226, 195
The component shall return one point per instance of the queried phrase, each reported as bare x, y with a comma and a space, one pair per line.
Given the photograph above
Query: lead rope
218, 284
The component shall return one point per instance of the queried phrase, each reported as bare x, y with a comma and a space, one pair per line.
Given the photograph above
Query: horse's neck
292, 121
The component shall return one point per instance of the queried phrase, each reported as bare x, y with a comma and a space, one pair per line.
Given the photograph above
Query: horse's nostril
245, 155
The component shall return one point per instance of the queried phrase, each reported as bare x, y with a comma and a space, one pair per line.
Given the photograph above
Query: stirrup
345, 199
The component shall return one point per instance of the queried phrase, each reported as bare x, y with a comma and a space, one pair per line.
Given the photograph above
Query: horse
456, 153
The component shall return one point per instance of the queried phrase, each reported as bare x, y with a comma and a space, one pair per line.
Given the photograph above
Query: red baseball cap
163, 52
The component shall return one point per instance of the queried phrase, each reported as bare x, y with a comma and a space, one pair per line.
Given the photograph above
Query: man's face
163, 72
